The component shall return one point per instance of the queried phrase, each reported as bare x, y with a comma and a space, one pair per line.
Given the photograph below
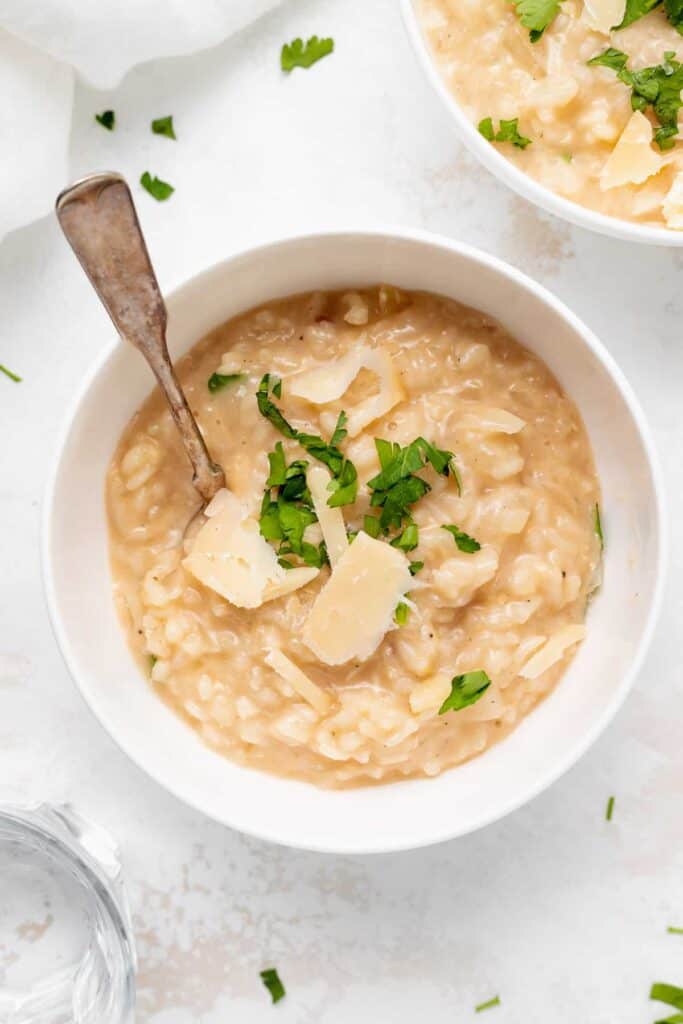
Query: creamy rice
574, 114
528, 498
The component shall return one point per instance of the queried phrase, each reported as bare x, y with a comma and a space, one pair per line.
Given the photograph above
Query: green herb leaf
218, 381
315, 556
296, 55
488, 1005
613, 59
161, 190
408, 540
268, 408
674, 12
107, 119
597, 522
401, 613
508, 131
659, 86
636, 9
278, 467
415, 567
463, 540
674, 931
486, 129
340, 430
669, 994
271, 980
610, 809
277, 387
465, 690
536, 15
371, 526
396, 487
164, 126
677, 1018
8, 373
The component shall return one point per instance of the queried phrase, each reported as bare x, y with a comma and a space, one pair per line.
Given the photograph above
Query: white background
559, 912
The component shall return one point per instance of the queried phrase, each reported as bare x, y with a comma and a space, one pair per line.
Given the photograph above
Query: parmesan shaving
331, 519
672, 207
431, 694
328, 382
230, 556
633, 160
300, 682
604, 15
493, 421
552, 651
356, 606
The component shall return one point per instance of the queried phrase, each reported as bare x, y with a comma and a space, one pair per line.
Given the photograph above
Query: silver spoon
98, 217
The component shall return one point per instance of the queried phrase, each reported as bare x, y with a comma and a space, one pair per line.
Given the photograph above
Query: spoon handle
98, 217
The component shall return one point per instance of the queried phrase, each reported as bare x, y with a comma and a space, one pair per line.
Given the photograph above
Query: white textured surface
561, 913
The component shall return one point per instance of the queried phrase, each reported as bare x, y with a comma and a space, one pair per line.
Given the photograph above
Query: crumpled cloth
45, 43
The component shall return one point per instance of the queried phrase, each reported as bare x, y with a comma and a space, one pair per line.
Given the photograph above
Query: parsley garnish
508, 131
296, 55
669, 994
463, 540
8, 373
488, 1005
610, 809
397, 487
271, 979
401, 613
408, 540
344, 486
636, 9
597, 523
536, 15
286, 516
218, 381
107, 119
415, 567
465, 690
659, 86
156, 187
674, 931
371, 526
164, 126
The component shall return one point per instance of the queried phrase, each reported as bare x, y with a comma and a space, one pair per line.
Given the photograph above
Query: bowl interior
493, 159
410, 813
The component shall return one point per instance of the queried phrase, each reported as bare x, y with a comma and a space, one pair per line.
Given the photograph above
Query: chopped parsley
161, 190
408, 540
401, 613
674, 931
488, 1005
344, 485
152, 662
218, 381
465, 690
371, 526
271, 979
107, 119
415, 567
536, 15
8, 373
669, 994
674, 12
658, 86
636, 9
164, 126
463, 540
287, 513
610, 809
298, 55
597, 523
397, 486
508, 131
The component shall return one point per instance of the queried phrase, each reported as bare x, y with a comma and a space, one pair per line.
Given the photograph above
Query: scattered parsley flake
271, 979
397, 487
674, 931
597, 523
161, 190
401, 613
536, 15
465, 690
610, 809
488, 1005
107, 119
669, 994
408, 540
636, 9
415, 567
8, 373
218, 381
298, 55
508, 131
164, 126
658, 86
463, 540
371, 526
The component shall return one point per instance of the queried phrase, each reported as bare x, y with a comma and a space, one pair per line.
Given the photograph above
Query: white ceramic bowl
494, 159
406, 814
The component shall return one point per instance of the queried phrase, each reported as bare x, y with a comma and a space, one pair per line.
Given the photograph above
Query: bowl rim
386, 233
516, 179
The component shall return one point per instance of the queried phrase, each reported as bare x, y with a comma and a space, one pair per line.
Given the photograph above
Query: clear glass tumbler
66, 947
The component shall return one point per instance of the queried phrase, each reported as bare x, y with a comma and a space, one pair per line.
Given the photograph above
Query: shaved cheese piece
633, 159
494, 421
331, 519
230, 556
604, 15
328, 382
672, 206
300, 682
356, 606
552, 651
293, 579
431, 694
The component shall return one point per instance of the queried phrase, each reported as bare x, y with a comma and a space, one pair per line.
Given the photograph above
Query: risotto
588, 109
399, 567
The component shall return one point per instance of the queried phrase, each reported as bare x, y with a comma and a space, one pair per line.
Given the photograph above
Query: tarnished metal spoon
98, 217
